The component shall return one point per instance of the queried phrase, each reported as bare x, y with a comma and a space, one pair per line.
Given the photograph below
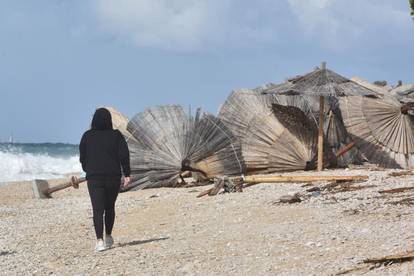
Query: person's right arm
82, 152
123, 152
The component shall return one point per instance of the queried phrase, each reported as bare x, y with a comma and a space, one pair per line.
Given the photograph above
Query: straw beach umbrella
322, 83
382, 128
120, 122
274, 136
404, 93
171, 142
337, 138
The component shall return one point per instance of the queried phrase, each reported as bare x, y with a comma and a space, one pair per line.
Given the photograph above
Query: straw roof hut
274, 134
171, 143
383, 130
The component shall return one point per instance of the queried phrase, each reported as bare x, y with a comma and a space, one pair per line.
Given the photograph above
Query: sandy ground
171, 232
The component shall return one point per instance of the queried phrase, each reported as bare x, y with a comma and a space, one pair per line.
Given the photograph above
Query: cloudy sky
61, 59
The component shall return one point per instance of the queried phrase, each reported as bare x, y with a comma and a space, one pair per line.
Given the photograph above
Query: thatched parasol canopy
120, 122
274, 135
323, 83
382, 129
380, 90
171, 142
404, 93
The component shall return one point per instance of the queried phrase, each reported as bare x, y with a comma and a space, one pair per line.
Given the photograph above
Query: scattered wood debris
370, 264
289, 199
228, 185
338, 187
349, 188
405, 201
314, 189
237, 184
402, 173
307, 185
387, 260
396, 190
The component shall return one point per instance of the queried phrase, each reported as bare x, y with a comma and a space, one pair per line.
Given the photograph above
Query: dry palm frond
171, 141
383, 131
274, 136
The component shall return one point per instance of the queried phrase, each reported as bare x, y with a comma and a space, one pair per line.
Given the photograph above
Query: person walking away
104, 156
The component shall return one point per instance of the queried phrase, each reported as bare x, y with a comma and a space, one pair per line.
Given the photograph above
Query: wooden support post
321, 122
321, 133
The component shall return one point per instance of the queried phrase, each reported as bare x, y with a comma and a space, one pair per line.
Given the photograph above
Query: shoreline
169, 231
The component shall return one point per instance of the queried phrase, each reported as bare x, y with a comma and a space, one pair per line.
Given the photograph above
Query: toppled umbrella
323, 83
273, 137
170, 143
382, 129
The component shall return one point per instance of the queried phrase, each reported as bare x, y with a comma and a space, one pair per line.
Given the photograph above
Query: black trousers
103, 195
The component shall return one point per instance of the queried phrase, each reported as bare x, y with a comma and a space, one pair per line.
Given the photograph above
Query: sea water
37, 161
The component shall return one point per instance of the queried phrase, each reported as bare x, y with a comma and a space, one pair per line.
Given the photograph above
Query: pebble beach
172, 232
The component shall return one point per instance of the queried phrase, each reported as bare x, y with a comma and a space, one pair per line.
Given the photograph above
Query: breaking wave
37, 161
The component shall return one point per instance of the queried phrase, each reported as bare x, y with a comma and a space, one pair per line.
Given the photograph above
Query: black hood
101, 119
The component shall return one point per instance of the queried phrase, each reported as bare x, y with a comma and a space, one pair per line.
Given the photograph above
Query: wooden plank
302, 178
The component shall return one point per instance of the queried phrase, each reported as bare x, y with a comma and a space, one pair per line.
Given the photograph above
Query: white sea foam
18, 166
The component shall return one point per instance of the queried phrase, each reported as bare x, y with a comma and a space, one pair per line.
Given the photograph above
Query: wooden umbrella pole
320, 137
65, 185
321, 121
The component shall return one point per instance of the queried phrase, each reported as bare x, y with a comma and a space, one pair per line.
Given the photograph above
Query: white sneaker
100, 246
109, 241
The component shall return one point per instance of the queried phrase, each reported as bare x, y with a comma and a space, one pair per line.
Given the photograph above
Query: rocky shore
171, 232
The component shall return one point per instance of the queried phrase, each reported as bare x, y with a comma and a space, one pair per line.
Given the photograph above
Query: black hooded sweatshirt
103, 150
